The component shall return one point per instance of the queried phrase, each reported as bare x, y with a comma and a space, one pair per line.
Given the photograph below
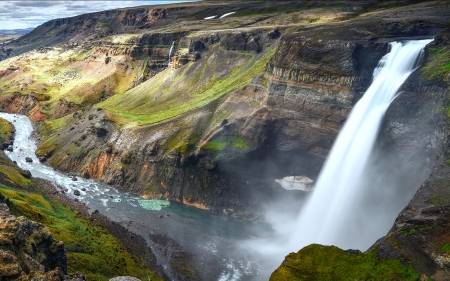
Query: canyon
247, 99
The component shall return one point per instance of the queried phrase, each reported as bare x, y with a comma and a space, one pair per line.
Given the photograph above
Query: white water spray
334, 215
170, 52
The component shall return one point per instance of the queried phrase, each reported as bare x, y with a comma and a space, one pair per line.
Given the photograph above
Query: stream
214, 241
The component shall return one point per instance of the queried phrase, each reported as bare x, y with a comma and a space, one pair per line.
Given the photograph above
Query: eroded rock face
28, 250
286, 121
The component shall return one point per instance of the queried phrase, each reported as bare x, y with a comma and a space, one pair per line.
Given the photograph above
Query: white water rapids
332, 215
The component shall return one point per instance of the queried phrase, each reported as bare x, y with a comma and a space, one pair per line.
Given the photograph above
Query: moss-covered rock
318, 262
28, 249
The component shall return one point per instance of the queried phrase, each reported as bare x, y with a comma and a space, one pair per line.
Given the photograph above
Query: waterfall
331, 216
170, 52
334, 213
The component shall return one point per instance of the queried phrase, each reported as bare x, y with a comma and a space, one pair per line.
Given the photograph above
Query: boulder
25, 173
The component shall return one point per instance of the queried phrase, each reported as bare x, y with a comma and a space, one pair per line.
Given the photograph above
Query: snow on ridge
227, 14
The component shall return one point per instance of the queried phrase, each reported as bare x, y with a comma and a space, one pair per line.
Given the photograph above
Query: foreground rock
29, 251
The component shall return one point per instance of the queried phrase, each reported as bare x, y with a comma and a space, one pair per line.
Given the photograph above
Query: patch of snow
296, 183
227, 14
211, 17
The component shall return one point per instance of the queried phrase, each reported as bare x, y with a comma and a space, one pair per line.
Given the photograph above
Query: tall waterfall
334, 213
331, 216
170, 52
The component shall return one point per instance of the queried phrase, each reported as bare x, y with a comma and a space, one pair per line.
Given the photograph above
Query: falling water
333, 214
170, 52
330, 216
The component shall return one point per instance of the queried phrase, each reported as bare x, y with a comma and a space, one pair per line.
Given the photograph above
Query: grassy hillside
172, 93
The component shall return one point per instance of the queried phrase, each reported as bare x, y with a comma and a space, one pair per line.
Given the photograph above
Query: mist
367, 179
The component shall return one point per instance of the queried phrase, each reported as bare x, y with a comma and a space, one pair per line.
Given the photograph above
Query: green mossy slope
318, 262
172, 93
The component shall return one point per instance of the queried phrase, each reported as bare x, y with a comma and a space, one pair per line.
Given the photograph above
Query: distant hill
16, 31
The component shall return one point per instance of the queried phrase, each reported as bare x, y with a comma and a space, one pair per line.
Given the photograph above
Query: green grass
171, 94
446, 248
215, 145
99, 255
318, 262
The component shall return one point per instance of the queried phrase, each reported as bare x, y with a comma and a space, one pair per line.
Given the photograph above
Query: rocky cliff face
244, 102
85, 28
225, 156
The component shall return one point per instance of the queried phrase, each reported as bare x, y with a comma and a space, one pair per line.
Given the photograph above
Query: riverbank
189, 243
96, 246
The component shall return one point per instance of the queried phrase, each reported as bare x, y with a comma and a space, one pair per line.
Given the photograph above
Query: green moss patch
318, 262
5, 131
235, 141
11, 176
438, 63
91, 249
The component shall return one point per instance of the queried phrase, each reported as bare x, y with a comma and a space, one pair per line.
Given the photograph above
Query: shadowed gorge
191, 137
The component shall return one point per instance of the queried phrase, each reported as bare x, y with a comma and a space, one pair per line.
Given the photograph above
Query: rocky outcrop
28, 250
28, 105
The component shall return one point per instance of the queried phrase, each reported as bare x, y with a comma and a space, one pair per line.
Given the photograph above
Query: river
214, 241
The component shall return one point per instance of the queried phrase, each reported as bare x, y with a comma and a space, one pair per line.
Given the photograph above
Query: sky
25, 14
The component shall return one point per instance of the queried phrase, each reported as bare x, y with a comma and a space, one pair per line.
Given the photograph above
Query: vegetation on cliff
318, 262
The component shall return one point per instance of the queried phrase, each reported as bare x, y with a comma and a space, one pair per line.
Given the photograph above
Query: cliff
234, 111
243, 101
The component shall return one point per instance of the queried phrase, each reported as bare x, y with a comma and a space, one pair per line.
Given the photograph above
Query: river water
213, 240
